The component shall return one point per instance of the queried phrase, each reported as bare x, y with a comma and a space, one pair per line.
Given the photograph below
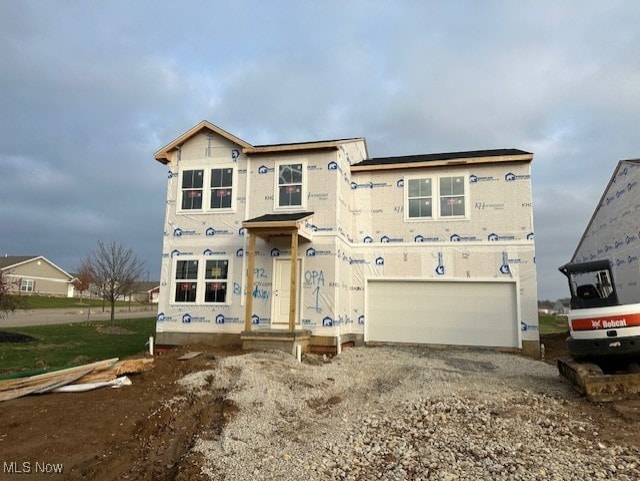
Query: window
186, 281
209, 189
452, 197
448, 193
192, 189
26, 285
216, 281
419, 198
290, 185
201, 281
221, 188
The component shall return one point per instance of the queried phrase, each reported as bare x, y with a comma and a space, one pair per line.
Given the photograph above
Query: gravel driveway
402, 414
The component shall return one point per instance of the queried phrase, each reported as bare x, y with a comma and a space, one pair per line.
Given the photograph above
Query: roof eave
444, 163
277, 149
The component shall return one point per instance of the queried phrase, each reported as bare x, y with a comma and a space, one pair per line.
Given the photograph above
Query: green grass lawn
45, 302
551, 324
66, 345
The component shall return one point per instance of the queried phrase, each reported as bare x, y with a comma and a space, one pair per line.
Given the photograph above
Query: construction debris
189, 355
99, 374
116, 383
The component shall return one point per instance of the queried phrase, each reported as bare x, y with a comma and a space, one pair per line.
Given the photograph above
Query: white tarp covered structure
613, 232
451, 235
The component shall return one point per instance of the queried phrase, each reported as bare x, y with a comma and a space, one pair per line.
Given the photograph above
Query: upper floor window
290, 185
419, 196
192, 182
448, 193
221, 188
452, 202
208, 189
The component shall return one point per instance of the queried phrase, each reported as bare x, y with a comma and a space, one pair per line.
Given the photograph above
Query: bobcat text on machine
604, 334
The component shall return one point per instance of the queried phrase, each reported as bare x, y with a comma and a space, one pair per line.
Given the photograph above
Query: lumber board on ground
41, 383
120, 368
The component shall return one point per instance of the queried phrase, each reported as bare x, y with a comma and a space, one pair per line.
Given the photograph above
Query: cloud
91, 91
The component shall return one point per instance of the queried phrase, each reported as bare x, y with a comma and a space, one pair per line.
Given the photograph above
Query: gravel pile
403, 414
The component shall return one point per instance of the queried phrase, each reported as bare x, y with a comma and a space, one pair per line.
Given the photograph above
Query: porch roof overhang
273, 225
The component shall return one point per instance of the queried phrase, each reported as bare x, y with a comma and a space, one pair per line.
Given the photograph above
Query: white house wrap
435, 249
614, 231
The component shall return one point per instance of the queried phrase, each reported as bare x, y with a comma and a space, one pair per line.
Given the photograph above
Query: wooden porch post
250, 267
293, 293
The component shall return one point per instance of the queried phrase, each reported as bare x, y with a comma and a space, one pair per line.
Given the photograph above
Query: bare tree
116, 270
9, 303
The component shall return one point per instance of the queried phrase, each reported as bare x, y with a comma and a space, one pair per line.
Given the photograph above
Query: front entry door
281, 293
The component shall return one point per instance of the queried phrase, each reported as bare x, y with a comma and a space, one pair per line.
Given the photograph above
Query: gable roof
7, 262
443, 159
162, 155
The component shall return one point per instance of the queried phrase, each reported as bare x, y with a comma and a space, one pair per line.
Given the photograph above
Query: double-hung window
452, 203
419, 197
186, 281
290, 185
436, 197
192, 183
215, 277
202, 280
221, 188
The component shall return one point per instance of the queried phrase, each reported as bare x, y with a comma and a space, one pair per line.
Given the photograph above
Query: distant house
147, 291
560, 308
153, 294
36, 275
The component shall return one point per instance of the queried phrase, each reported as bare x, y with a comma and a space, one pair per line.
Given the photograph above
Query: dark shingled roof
280, 217
7, 261
443, 156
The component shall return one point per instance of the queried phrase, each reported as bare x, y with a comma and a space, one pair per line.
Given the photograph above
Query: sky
90, 90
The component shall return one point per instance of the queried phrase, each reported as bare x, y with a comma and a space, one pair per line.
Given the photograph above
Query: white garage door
469, 313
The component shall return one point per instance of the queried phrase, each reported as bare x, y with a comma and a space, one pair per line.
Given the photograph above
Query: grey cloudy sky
90, 90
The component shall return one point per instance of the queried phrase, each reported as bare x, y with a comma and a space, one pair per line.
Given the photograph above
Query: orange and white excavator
600, 327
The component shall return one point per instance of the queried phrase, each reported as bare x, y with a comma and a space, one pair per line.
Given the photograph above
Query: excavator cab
591, 284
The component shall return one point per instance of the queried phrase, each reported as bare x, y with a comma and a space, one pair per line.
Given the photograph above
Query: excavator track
589, 379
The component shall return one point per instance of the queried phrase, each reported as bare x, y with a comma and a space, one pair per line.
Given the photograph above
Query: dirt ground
145, 431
